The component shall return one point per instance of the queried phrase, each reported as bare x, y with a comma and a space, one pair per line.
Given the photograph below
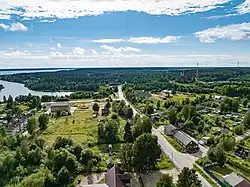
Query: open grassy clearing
80, 126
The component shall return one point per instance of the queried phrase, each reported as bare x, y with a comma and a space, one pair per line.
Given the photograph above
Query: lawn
219, 172
80, 126
164, 163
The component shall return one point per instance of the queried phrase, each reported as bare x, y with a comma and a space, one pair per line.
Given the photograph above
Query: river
15, 89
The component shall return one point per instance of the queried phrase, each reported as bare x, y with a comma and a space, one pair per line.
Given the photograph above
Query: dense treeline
225, 81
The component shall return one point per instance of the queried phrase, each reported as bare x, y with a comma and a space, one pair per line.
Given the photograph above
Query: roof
58, 104
217, 97
235, 179
183, 138
169, 128
113, 178
95, 185
243, 184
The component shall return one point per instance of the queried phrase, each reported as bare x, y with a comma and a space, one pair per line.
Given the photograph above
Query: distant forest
225, 81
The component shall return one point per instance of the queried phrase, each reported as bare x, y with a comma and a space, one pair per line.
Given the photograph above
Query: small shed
205, 139
217, 97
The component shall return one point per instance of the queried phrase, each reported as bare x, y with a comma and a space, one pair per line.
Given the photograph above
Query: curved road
180, 160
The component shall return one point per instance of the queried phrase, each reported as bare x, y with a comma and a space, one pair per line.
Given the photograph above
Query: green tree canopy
188, 178
95, 107
165, 181
43, 120
146, 151
32, 124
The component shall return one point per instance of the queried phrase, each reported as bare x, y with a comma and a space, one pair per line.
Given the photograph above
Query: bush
239, 130
164, 163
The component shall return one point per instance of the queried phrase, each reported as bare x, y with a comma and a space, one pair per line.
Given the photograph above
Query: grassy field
80, 126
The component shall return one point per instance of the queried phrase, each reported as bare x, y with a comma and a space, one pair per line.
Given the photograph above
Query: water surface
15, 89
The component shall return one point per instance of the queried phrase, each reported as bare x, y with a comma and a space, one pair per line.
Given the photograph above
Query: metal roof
233, 179
58, 104
183, 138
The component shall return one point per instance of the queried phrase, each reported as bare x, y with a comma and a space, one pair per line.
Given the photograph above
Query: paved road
180, 160
121, 96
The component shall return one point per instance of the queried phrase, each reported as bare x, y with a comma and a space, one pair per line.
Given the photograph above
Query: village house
235, 180
60, 106
113, 178
188, 145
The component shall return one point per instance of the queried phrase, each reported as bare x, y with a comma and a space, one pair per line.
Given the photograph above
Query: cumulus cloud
108, 41
140, 40
45, 20
230, 32
94, 52
78, 51
15, 53
59, 45
14, 27
120, 50
57, 59
244, 8
153, 40
73, 9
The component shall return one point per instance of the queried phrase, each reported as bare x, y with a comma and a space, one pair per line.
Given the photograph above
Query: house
170, 130
205, 139
60, 106
189, 145
235, 180
105, 111
113, 178
217, 97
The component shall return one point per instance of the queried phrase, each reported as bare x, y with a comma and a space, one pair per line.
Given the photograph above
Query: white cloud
75, 8
59, 45
244, 8
230, 32
118, 51
56, 54
15, 53
5, 27
4, 16
47, 21
78, 51
140, 40
94, 52
57, 59
14, 27
108, 41
153, 40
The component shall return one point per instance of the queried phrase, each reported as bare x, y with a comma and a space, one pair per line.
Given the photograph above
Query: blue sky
94, 33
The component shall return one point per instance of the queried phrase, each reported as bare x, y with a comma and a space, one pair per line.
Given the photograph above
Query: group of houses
188, 144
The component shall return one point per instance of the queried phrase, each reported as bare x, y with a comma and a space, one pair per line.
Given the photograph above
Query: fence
214, 177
